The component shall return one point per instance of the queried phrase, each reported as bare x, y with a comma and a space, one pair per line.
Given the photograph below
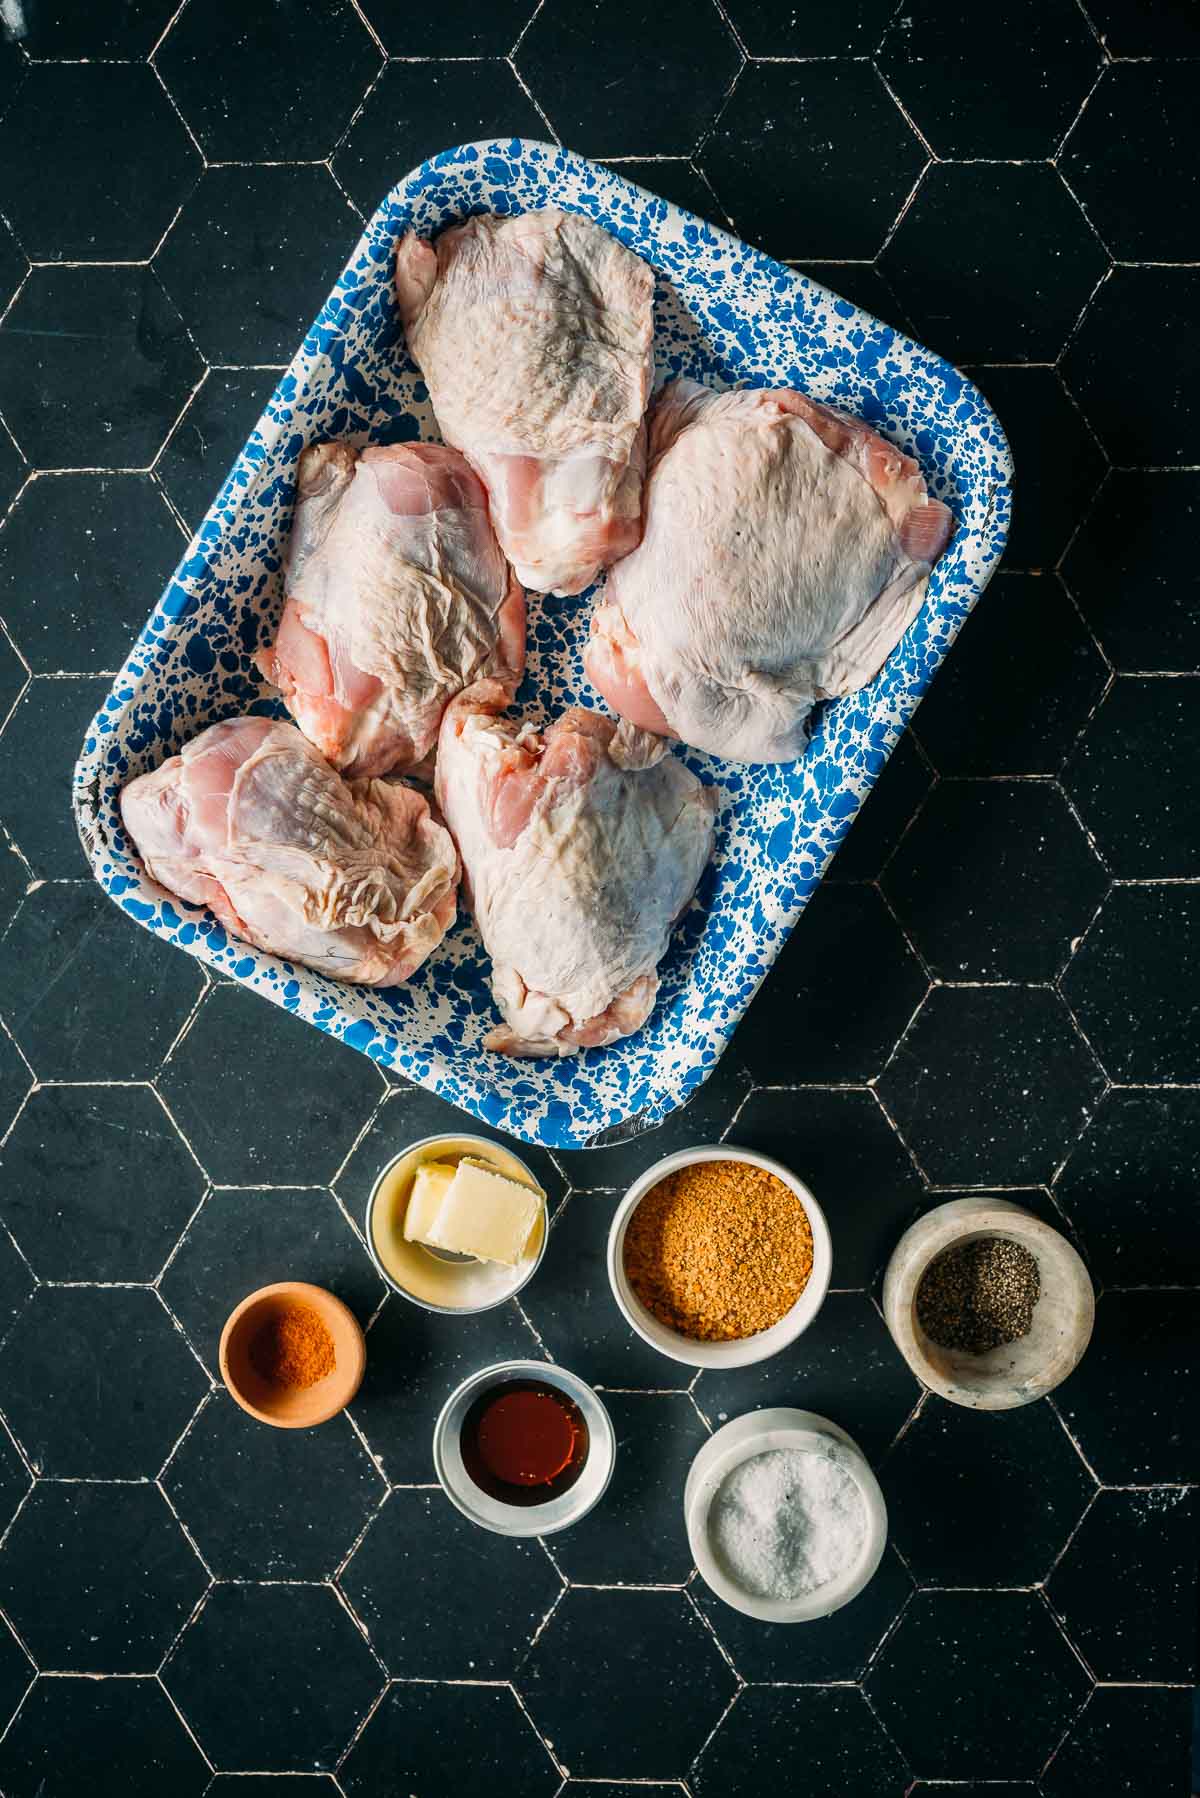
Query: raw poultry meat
398, 597
534, 337
581, 846
786, 549
354, 878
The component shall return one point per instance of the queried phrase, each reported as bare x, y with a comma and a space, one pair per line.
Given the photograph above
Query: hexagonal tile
841, 1145
15, 1080
784, 159
615, 1788
983, 715
478, 1730
1125, 1588
46, 728
16, 1284
630, 91
1130, 776
14, 879
478, 1628
976, 1788
1135, 983
262, 1096
832, 1734
994, 880
114, 527
1058, 463
67, 1728
649, 1707
253, 255
1151, 424
1129, 1186
1017, 1478
75, 1156
254, 93
458, 28
1128, 570
1122, 1404
13, 467
848, 973
58, 29
828, 1649
959, 86
413, 1365
277, 1785
845, 1366
205, 443
673, 178
1129, 1742
124, 1580
117, 1345
68, 407
705, 1118
14, 265
68, 963
1146, 28
781, 28
1006, 1684
417, 109
98, 162
1137, 123
295, 1708
13, 675
885, 815
991, 1084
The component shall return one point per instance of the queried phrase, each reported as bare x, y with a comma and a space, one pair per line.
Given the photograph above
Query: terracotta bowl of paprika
292, 1355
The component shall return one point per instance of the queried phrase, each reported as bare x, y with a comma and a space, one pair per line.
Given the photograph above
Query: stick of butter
429, 1188
483, 1214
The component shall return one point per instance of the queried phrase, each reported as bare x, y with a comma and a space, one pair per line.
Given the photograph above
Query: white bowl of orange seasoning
728, 1263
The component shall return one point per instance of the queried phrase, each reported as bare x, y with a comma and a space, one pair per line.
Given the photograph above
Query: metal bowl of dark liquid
524, 1448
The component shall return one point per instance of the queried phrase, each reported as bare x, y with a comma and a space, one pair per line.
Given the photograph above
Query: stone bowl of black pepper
990, 1307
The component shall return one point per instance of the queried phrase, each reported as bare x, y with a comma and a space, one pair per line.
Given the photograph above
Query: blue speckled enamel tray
724, 314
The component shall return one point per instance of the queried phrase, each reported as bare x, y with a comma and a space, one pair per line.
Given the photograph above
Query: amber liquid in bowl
524, 1442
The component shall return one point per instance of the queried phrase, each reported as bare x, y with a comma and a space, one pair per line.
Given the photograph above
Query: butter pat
433, 1181
483, 1214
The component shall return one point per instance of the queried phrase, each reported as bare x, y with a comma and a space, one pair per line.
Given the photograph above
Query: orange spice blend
294, 1348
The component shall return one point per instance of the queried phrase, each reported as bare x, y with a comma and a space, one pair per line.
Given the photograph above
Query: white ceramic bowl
747, 1349
757, 1433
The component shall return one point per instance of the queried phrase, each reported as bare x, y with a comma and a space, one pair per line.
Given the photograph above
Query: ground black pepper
979, 1296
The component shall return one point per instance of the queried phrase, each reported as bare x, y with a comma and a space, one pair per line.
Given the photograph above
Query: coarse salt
787, 1521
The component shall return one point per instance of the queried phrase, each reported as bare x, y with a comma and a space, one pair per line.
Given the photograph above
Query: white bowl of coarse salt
785, 1519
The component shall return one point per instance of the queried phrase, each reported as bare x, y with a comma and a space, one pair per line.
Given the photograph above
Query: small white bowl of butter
456, 1223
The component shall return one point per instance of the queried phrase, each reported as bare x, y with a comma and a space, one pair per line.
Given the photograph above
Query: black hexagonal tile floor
1125, 1588
832, 1734
16, 1284
629, 90
1128, 570
205, 443
1130, 1742
994, 880
956, 72
271, 1504
885, 815
74, 1158
828, 1649
14, 265
15, 1481
13, 468
479, 1627
292, 1709
116, 1345
1131, 777
975, 1788
253, 256
69, 407
977, 1498
1058, 464
58, 29
841, 1145
706, 1117
991, 1085
97, 162
848, 973
1007, 1684
1122, 1402
781, 28
654, 1680
47, 727
67, 1728
458, 28
1137, 124
1024, 266
16, 1672
14, 879
275, 1785
125, 1578
104, 545
845, 1366
673, 178
1129, 1187
15, 1080
478, 1730
253, 92
985, 713
416, 109
1141, 423
262, 1097
782, 160
1146, 27
1134, 983
68, 963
